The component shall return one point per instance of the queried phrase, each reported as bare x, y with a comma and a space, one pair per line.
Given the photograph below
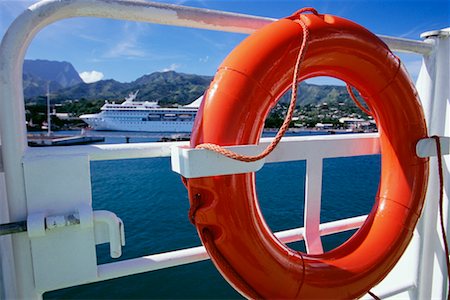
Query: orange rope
290, 112
441, 205
375, 297
352, 95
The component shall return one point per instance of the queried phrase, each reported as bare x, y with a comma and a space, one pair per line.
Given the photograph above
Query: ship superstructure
146, 116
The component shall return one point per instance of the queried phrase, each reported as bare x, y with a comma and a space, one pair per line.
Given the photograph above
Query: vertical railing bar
313, 195
433, 89
1, 159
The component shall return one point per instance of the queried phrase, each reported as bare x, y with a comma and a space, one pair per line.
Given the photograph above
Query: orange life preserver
245, 87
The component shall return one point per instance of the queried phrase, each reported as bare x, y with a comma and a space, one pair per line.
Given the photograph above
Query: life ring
245, 87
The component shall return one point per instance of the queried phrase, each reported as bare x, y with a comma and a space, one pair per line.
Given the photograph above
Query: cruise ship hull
143, 116
99, 123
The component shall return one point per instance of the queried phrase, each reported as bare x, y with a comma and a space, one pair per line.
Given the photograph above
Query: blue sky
124, 51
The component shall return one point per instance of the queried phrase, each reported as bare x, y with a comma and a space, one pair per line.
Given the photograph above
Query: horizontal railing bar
325, 146
338, 226
169, 14
297, 234
400, 287
196, 254
195, 163
330, 146
109, 152
151, 263
98, 152
407, 45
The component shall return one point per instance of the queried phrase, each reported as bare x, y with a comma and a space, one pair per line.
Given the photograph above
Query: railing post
313, 195
433, 88
13, 133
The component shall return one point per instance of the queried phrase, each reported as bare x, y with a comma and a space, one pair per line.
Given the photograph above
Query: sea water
153, 204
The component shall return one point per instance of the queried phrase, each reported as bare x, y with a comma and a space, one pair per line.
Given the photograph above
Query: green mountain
37, 74
319, 94
171, 87
103, 89
165, 87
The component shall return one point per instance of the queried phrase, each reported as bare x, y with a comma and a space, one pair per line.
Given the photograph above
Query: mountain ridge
37, 74
167, 88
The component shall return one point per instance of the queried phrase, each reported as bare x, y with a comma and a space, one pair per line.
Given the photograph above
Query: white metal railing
192, 163
310, 148
26, 198
196, 254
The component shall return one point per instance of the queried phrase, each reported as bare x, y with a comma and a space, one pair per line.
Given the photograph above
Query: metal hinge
14, 227
50, 222
108, 227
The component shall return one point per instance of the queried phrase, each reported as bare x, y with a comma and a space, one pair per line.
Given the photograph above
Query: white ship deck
143, 117
33, 180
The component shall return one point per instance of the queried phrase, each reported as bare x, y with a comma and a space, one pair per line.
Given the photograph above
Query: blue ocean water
153, 204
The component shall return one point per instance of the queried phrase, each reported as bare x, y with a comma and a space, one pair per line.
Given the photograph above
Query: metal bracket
38, 224
194, 163
427, 147
439, 33
109, 229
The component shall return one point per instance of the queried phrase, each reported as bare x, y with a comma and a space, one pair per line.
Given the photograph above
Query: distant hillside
37, 73
164, 87
318, 94
103, 89
171, 87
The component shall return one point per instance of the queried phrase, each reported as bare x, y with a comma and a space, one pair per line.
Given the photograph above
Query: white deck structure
36, 261
146, 116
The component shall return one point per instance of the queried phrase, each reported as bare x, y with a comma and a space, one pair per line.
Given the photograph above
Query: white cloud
92, 76
125, 49
129, 45
172, 67
204, 59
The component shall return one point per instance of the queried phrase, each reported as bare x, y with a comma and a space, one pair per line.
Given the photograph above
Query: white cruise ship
143, 116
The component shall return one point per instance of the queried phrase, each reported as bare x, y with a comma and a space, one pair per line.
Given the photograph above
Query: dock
45, 140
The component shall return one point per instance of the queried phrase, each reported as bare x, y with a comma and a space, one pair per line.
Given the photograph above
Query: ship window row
163, 123
123, 113
152, 119
172, 119
140, 111
167, 115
